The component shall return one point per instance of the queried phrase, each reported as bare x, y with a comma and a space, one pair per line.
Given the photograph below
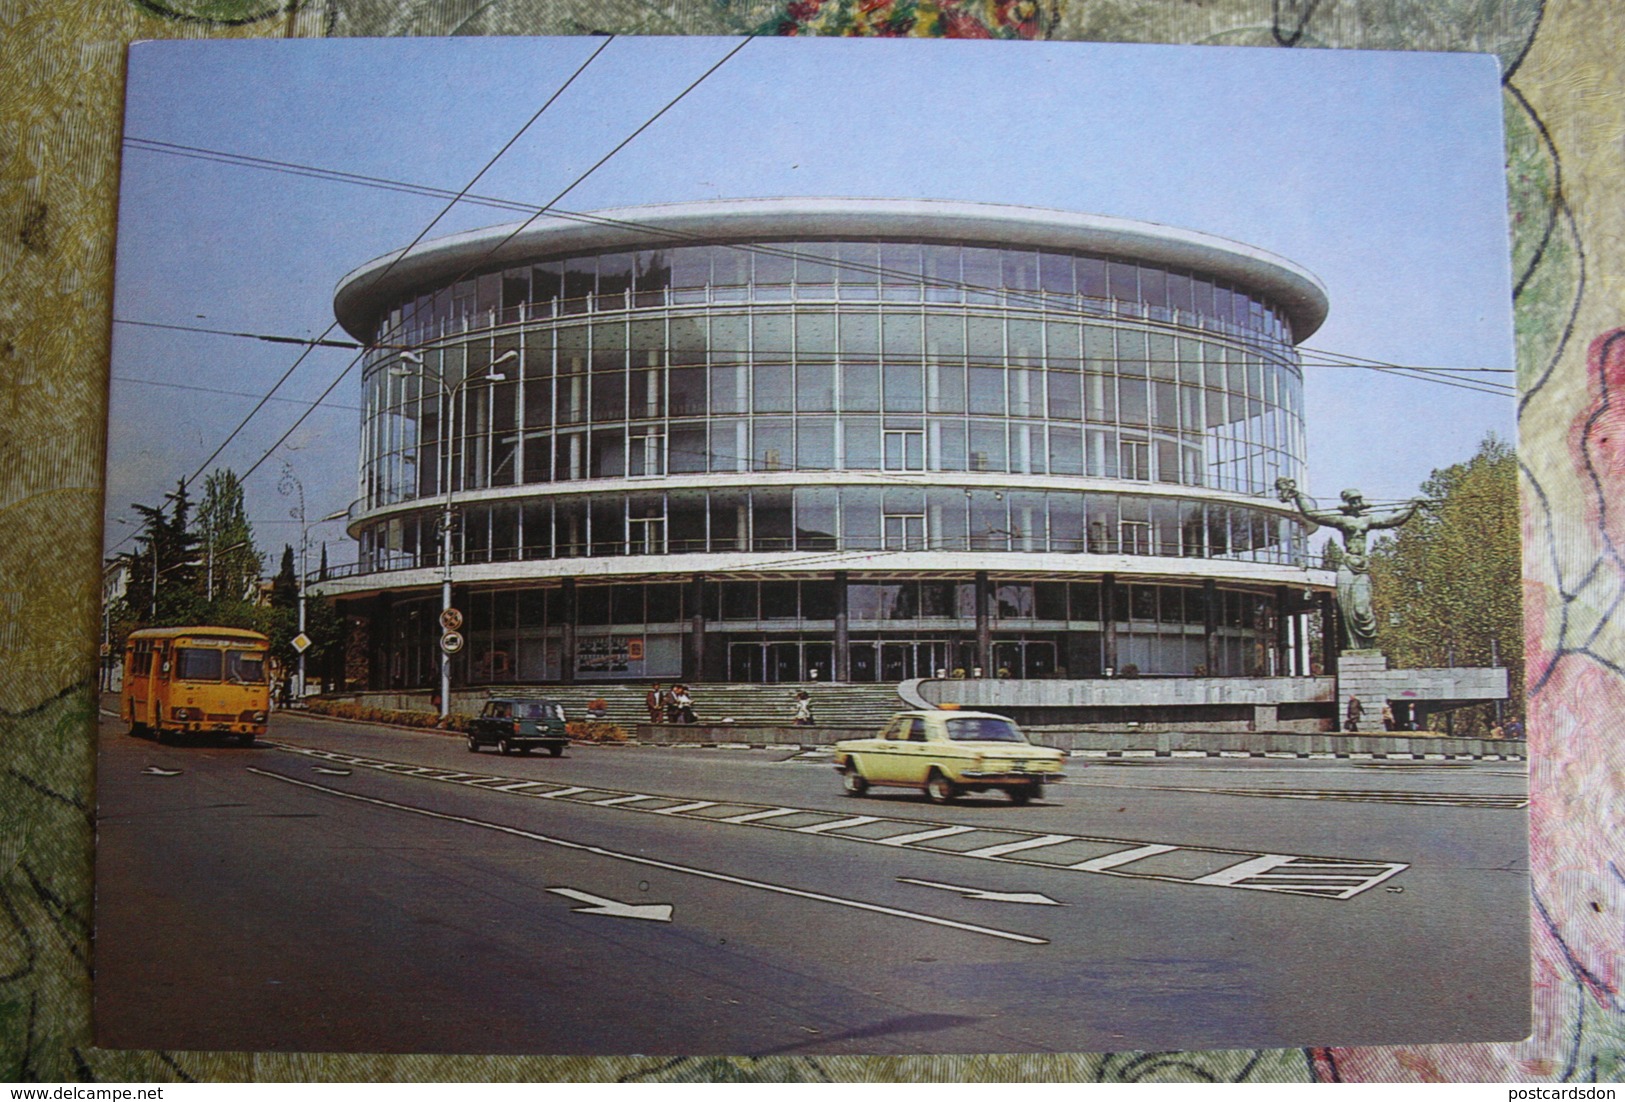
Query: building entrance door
911, 658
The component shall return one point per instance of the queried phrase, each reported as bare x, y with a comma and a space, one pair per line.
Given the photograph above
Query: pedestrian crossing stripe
1204, 866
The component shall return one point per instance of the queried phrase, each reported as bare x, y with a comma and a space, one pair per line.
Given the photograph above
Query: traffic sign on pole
451, 642
301, 642
450, 619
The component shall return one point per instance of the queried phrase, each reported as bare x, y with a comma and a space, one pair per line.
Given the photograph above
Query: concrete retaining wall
1116, 743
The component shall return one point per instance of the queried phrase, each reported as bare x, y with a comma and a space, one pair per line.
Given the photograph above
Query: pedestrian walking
804, 716
1387, 717
1356, 710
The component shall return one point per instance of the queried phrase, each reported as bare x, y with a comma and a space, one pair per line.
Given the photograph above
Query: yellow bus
196, 680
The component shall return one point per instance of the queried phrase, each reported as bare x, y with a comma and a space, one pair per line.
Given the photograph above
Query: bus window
245, 667
197, 664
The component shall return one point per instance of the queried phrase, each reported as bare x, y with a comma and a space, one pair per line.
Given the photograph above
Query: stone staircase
844, 705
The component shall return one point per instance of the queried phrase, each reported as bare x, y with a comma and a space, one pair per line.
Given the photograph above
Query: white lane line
1230, 876
613, 800
922, 836
632, 858
1017, 847
756, 816
838, 824
517, 785
680, 808
1121, 857
560, 792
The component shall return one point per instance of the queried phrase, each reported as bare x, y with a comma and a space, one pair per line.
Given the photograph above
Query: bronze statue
1354, 519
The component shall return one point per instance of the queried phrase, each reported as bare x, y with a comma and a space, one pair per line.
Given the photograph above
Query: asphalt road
341, 887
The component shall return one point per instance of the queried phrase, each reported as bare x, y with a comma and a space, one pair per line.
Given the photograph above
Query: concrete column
1210, 626
694, 658
567, 635
1283, 651
984, 626
843, 631
1328, 633
1108, 621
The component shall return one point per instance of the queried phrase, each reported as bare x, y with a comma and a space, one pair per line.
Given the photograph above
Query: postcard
765, 546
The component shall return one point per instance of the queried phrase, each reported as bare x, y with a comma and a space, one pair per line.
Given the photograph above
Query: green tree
226, 540
1448, 586
163, 569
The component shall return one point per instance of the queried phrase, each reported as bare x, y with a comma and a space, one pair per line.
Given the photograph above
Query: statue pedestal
1361, 675
1364, 674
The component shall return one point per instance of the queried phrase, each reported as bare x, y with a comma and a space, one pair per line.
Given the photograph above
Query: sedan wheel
504, 747
855, 783
1025, 793
473, 745
940, 789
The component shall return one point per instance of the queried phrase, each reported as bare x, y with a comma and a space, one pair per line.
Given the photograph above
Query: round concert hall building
790, 440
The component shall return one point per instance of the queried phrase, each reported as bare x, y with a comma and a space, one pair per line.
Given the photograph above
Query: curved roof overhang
374, 286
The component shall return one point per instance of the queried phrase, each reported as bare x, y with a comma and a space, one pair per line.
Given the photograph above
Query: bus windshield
197, 664
246, 667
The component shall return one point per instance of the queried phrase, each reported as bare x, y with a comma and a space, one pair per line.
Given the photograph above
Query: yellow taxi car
946, 754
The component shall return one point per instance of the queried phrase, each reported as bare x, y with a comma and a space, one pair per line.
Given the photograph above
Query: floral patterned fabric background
60, 114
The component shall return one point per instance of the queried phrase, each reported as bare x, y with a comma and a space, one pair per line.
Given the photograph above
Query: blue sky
1381, 173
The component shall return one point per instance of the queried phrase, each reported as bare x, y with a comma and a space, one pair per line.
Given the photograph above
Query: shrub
590, 731
366, 713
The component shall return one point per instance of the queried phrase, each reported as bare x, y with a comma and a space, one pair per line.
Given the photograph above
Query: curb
1287, 754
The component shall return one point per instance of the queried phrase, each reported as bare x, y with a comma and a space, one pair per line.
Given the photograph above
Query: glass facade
825, 396
645, 376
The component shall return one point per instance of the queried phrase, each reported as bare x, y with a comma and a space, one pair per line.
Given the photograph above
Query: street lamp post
492, 375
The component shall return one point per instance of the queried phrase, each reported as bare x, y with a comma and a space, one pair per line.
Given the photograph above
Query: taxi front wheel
854, 782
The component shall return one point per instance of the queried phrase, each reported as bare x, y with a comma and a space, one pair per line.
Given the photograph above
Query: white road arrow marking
654, 912
979, 893
637, 859
154, 771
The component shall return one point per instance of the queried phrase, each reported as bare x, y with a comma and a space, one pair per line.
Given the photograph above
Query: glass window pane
773, 386
651, 278
690, 267
860, 335
861, 443
945, 387
774, 267
904, 388
772, 451
986, 385
902, 336
813, 263
815, 521
730, 337
988, 449
985, 342
686, 450
1125, 281
860, 386
1055, 273
815, 336
815, 387
815, 444
730, 267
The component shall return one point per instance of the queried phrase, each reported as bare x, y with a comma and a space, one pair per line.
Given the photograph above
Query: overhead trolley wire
571, 187
384, 272
334, 324
1308, 356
